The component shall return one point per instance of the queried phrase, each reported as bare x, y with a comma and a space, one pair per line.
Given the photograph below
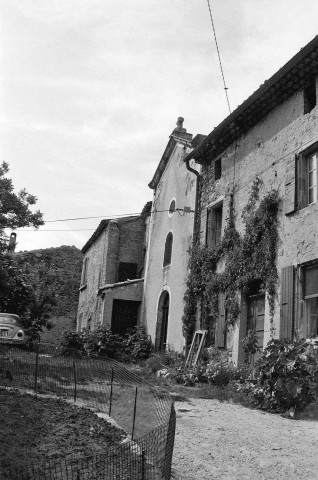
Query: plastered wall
266, 151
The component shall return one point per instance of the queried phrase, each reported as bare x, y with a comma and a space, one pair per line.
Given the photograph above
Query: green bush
137, 344
71, 341
101, 341
216, 369
287, 375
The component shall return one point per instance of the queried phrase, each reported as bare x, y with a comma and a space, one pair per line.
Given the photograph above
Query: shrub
71, 341
101, 341
137, 344
190, 376
217, 370
287, 375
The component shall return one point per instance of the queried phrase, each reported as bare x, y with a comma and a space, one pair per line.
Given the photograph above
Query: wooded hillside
60, 269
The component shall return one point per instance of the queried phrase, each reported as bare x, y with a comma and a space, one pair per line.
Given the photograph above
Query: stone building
112, 275
272, 138
170, 236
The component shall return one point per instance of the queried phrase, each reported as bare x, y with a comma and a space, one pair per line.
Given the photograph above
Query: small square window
127, 271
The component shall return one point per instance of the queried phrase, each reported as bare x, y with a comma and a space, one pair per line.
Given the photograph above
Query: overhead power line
180, 211
112, 216
87, 218
219, 56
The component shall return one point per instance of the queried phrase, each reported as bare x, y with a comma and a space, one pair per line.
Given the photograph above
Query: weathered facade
272, 137
170, 236
112, 276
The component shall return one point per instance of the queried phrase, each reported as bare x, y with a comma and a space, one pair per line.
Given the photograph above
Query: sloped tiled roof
292, 77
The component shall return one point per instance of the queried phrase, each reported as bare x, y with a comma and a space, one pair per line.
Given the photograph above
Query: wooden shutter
302, 181
287, 302
290, 188
218, 224
219, 332
203, 226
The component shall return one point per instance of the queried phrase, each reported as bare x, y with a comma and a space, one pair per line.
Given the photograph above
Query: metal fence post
75, 380
134, 419
111, 393
36, 367
143, 465
170, 444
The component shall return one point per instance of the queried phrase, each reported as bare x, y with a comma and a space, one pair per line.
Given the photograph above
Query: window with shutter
301, 181
84, 272
214, 225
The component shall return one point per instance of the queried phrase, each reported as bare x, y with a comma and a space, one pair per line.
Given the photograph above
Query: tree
15, 209
17, 295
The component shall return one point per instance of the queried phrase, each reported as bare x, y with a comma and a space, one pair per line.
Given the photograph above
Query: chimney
180, 125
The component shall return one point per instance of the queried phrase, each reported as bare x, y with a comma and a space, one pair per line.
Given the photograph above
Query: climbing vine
248, 259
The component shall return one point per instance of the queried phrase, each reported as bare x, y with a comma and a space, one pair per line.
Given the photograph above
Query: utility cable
219, 56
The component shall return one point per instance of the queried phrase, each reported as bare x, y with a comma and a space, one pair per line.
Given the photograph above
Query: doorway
124, 316
162, 322
255, 321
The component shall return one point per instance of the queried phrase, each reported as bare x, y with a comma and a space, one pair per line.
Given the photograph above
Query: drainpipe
195, 221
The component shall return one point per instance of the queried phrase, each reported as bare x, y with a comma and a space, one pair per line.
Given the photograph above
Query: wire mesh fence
146, 413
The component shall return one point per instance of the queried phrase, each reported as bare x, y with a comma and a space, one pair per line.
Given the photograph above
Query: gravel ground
225, 441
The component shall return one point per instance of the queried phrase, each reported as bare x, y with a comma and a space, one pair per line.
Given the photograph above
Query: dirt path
224, 441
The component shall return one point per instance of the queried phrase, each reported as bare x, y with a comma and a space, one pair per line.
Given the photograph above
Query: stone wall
121, 240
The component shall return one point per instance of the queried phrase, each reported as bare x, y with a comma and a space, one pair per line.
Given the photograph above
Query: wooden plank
290, 188
286, 302
196, 348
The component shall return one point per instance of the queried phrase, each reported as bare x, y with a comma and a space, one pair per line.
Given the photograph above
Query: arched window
168, 250
172, 207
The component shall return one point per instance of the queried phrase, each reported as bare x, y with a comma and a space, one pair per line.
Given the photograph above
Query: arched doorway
162, 321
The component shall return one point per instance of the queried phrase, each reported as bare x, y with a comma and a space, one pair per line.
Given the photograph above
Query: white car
11, 329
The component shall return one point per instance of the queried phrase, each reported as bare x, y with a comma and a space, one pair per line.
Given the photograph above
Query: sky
92, 89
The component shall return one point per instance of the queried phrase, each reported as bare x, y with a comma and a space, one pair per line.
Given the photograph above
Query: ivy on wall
248, 259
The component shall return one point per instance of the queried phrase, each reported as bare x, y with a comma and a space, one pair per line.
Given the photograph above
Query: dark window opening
310, 98
124, 316
214, 226
217, 169
127, 271
168, 250
254, 288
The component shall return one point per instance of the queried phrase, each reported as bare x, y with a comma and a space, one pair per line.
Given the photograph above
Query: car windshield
9, 320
